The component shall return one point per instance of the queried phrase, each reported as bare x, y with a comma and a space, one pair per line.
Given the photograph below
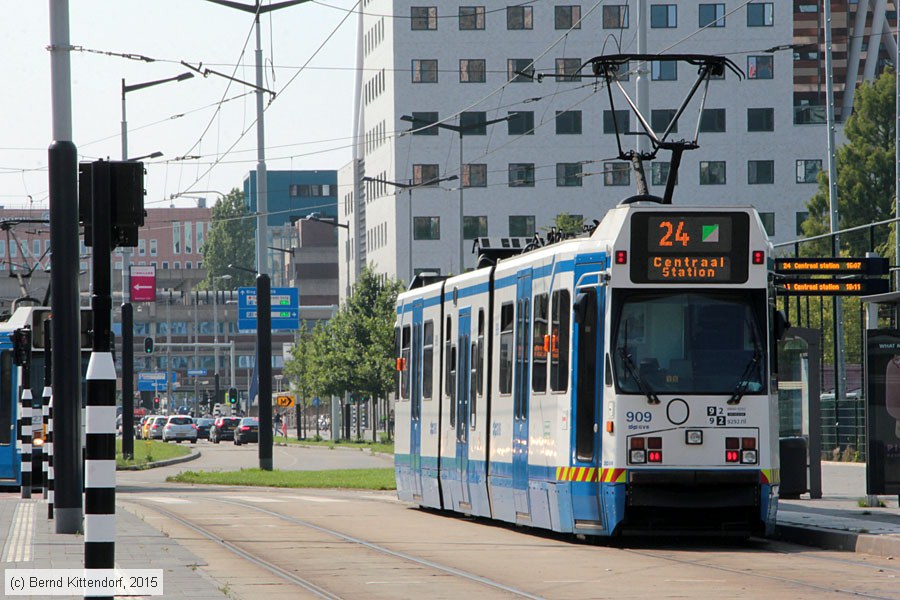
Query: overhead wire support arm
207, 72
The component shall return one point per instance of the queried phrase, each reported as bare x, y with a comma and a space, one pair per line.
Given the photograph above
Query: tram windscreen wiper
632, 370
743, 384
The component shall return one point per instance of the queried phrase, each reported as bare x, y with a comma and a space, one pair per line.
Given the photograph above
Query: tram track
316, 590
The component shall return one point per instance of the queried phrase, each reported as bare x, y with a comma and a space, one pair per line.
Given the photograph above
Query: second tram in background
619, 381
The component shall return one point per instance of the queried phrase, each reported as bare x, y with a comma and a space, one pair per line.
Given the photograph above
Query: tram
621, 381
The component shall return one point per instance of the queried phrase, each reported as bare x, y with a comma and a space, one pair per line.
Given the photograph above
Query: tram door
9, 460
415, 396
521, 377
463, 389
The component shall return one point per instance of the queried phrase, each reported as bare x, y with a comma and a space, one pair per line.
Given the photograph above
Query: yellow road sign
284, 401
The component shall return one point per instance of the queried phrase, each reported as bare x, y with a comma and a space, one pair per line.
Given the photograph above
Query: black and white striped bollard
25, 434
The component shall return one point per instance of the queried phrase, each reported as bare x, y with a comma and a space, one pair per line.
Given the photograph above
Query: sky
307, 126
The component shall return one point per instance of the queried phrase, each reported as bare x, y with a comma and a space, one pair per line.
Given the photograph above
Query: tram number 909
638, 416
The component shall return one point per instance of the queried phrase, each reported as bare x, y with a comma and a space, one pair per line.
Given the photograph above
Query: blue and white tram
599, 385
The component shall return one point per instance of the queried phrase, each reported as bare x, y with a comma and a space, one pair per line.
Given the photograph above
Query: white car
179, 428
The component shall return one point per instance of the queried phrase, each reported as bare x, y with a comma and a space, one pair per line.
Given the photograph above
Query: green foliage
354, 351
230, 241
366, 479
149, 451
865, 174
568, 224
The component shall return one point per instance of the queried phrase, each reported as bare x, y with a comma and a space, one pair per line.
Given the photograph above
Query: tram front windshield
689, 343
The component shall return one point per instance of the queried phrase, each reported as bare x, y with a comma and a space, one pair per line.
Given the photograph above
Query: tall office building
459, 66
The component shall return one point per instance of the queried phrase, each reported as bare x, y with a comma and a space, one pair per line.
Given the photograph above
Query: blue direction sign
154, 382
196, 372
285, 309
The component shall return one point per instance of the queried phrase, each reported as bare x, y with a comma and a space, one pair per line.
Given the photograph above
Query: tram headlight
748, 457
693, 437
637, 457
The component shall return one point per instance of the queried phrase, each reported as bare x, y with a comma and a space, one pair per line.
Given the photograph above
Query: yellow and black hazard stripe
590, 474
770, 476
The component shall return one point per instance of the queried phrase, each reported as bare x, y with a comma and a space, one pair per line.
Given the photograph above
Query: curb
847, 541
194, 455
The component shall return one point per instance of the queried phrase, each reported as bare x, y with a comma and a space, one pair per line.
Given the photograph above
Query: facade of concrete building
291, 195
555, 152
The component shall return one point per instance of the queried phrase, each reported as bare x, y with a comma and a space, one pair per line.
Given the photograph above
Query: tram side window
540, 344
405, 362
473, 383
5, 396
397, 354
479, 379
506, 347
559, 341
428, 360
450, 371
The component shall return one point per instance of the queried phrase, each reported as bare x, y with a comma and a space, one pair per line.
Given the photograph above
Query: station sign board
873, 265
854, 286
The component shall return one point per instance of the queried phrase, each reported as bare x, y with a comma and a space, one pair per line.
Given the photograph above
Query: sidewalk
31, 542
837, 521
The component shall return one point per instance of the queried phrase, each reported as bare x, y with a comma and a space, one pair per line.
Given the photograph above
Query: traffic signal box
21, 339
126, 188
232, 395
148, 345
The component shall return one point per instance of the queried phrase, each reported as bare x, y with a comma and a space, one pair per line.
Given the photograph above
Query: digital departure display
689, 247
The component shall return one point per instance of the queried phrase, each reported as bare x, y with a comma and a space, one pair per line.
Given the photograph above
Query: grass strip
322, 443
147, 451
361, 479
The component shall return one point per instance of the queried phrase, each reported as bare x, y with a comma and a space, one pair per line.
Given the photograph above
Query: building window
521, 175
427, 228
616, 173
660, 119
521, 226
712, 15
768, 221
760, 119
473, 122
165, 265
520, 70
808, 170
568, 122
475, 175
425, 174
519, 17
475, 227
521, 123
568, 174
663, 70
567, 17
713, 120
153, 248
471, 18
760, 67
424, 71
663, 16
201, 240
761, 14
176, 237
567, 69
659, 173
615, 16
760, 171
421, 122
621, 121
142, 247
471, 70
188, 237
423, 18
712, 172
800, 217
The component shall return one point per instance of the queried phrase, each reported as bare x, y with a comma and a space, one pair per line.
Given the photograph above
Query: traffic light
155, 400
21, 339
232, 396
148, 345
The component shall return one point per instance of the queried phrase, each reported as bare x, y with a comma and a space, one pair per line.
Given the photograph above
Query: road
277, 543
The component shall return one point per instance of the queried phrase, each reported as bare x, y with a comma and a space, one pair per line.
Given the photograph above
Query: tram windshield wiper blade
652, 398
744, 383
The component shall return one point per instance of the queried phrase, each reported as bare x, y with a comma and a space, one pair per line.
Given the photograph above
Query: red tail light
732, 456
759, 257
245, 428
621, 257
654, 456
194, 426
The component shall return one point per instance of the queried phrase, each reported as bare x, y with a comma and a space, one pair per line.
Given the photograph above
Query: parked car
247, 431
143, 429
179, 428
204, 425
223, 429
155, 427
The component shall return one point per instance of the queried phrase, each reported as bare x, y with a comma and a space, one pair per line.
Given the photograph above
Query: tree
568, 225
865, 173
230, 241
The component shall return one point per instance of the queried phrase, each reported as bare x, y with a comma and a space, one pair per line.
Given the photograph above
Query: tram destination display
689, 247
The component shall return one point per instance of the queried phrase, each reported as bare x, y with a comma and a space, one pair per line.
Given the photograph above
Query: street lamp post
409, 188
216, 334
459, 129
